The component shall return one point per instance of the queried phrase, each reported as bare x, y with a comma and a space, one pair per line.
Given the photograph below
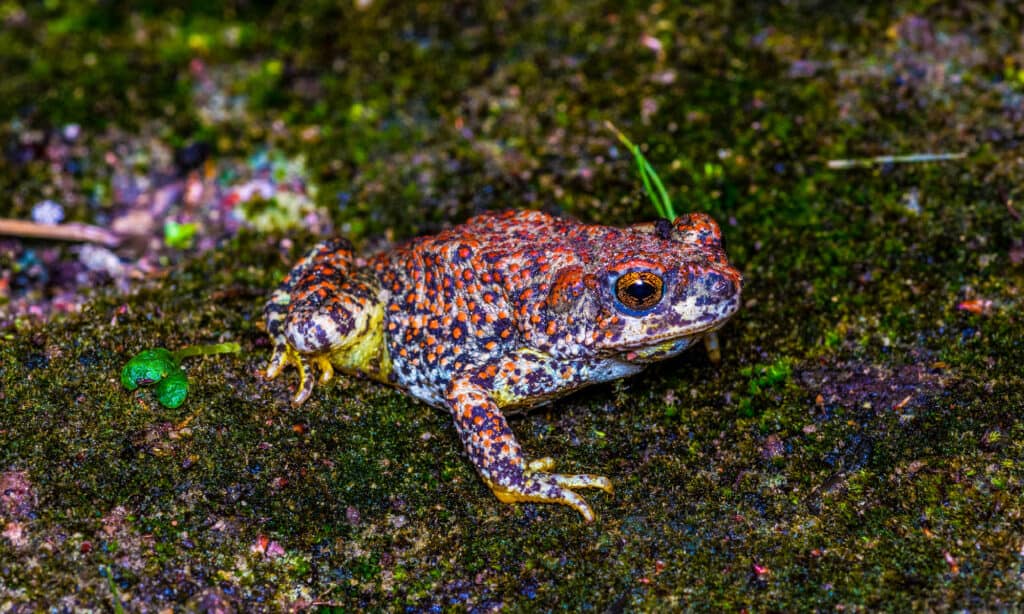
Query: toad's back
462, 298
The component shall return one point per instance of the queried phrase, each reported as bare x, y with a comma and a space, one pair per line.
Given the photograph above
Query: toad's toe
552, 488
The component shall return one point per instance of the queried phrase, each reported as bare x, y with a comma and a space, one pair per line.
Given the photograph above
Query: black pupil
641, 290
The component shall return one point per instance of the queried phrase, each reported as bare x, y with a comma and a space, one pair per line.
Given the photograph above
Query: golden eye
639, 290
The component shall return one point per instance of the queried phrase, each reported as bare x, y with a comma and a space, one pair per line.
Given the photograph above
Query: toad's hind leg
493, 449
323, 305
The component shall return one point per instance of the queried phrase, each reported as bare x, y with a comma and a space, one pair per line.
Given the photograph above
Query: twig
906, 159
60, 232
206, 350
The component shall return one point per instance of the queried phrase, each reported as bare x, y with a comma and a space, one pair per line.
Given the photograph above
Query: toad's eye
639, 290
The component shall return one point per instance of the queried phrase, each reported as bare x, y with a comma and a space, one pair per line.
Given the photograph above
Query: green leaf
179, 236
147, 367
172, 390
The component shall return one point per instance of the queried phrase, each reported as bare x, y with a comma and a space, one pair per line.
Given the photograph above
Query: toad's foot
498, 458
540, 486
286, 355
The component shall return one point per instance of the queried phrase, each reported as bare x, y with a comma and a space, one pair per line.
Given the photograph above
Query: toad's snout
712, 286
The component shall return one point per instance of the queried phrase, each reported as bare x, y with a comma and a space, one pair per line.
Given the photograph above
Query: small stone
773, 447
14, 532
274, 550
47, 212
135, 224
71, 132
210, 601
653, 44
1017, 254
912, 201
101, 260
17, 498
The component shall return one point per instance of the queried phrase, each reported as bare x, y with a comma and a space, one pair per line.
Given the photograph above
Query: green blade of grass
667, 210
118, 606
649, 189
653, 185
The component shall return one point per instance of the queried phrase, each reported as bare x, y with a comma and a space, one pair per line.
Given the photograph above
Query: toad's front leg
325, 310
498, 458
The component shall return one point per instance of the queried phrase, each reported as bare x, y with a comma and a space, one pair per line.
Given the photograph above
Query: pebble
71, 132
134, 223
47, 212
100, 259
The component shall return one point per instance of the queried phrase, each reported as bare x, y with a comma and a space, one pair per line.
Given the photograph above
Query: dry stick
924, 157
60, 232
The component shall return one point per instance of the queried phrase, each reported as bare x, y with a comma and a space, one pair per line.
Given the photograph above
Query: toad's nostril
721, 287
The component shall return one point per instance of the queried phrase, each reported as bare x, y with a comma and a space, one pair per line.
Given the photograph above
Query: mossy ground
860, 446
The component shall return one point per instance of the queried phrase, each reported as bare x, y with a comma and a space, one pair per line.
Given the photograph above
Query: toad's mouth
665, 347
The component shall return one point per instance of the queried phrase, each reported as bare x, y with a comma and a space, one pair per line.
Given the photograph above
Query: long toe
553, 488
583, 480
278, 361
306, 382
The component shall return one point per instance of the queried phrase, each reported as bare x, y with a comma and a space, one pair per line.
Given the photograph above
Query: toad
507, 311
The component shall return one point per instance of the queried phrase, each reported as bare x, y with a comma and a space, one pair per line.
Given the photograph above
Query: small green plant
652, 183
162, 367
179, 236
118, 606
762, 379
766, 376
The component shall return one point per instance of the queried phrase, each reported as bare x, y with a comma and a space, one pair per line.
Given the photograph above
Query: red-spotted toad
506, 311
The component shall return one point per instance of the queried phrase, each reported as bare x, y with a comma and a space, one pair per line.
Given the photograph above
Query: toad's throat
367, 354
